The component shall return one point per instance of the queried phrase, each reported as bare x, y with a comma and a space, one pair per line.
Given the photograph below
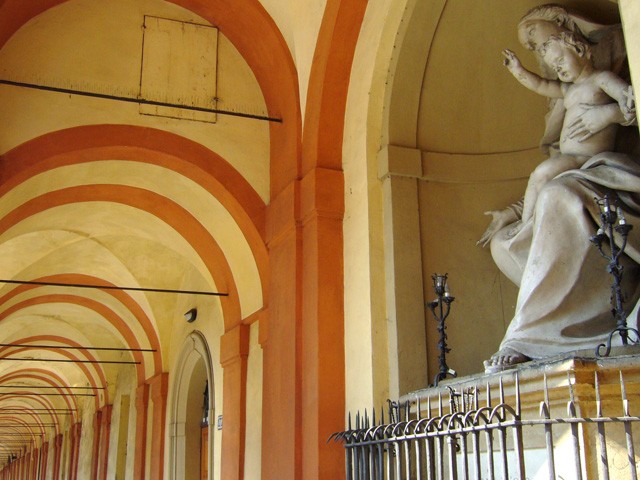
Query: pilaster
142, 406
158, 388
234, 351
400, 169
105, 434
322, 326
281, 406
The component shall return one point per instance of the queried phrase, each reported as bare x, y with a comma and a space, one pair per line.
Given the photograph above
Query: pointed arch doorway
192, 411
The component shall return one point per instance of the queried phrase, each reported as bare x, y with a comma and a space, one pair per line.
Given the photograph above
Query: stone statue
542, 243
579, 84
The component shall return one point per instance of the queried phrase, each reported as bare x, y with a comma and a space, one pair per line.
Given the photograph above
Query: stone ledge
574, 369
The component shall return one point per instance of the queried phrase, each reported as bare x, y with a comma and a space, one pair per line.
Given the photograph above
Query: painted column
95, 449
142, 406
26, 465
76, 451
35, 457
158, 388
57, 455
20, 468
303, 341
234, 351
104, 441
72, 449
44, 458
278, 337
322, 330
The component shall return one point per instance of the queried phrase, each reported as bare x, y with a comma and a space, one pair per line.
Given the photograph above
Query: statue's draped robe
564, 298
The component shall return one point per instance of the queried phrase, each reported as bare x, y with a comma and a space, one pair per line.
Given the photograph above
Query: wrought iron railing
468, 434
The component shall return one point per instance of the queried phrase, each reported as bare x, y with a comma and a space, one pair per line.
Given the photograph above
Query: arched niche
459, 137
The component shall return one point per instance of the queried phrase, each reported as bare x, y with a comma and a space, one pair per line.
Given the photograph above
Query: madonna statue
564, 291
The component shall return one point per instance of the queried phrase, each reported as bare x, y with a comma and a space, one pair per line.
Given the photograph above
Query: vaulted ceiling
136, 199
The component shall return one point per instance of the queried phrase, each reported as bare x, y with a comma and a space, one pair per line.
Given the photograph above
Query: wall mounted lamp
191, 315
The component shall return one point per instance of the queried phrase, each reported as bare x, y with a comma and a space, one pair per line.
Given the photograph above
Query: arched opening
196, 434
192, 408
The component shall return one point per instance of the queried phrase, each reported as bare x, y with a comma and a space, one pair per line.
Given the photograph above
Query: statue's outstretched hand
499, 219
511, 61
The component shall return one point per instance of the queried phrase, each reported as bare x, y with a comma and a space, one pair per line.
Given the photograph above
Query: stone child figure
579, 84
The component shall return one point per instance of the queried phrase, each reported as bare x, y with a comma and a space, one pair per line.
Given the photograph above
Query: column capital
394, 160
158, 386
282, 213
234, 345
322, 194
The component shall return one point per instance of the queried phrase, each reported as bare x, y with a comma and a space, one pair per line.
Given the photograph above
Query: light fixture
191, 315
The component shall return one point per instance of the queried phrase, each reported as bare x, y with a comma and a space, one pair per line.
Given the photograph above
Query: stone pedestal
578, 416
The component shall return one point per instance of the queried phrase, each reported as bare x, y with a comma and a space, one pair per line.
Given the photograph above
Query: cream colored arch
194, 357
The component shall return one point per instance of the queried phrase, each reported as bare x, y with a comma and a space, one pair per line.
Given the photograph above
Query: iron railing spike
501, 384
546, 393
571, 392
476, 397
598, 400
623, 392
518, 405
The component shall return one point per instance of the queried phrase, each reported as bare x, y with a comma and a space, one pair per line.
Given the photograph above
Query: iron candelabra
440, 309
613, 221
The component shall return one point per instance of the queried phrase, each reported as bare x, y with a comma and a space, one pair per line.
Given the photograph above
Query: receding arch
49, 377
94, 380
139, 144
108, 314
168, 212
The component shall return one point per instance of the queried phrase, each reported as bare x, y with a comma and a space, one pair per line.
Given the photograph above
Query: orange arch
101, 310
32, 374
42, 374
52, 338
122, 296
329, 84
19, 423
152, 146
269, 59
161, 207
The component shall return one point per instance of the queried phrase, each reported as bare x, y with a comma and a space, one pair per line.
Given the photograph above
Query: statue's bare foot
504, 359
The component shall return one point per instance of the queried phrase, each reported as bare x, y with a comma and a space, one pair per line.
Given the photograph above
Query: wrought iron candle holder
612, 220
440, 309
